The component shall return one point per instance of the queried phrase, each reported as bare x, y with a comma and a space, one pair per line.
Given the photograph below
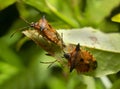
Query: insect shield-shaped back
81, 60
46, 30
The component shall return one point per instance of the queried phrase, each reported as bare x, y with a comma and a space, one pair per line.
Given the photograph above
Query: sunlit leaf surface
102, 46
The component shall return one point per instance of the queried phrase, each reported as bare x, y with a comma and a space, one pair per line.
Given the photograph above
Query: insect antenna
25, 21
20, 29
29, 25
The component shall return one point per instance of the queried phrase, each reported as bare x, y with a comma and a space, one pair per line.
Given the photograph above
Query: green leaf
116, 18
30, 77
76, 82
99, 84
6, 72
38, 4
97, 10
104, 47
4, 4
9, 55
55, 83
23, 11
78, 13
90, 82
54, 8
107, 26
63, 11
92, 38
116, 84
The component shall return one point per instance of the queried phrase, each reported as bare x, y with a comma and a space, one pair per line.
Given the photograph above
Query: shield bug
46, 30
81, 60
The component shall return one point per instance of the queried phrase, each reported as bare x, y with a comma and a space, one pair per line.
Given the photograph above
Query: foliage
116, 18
21, 68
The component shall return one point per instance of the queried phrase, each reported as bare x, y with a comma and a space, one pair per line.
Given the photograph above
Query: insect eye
32, 24
67, 56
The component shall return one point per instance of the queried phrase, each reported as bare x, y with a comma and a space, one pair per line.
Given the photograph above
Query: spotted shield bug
81, 60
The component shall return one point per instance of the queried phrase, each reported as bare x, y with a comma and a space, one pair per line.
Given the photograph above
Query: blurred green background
20, 66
